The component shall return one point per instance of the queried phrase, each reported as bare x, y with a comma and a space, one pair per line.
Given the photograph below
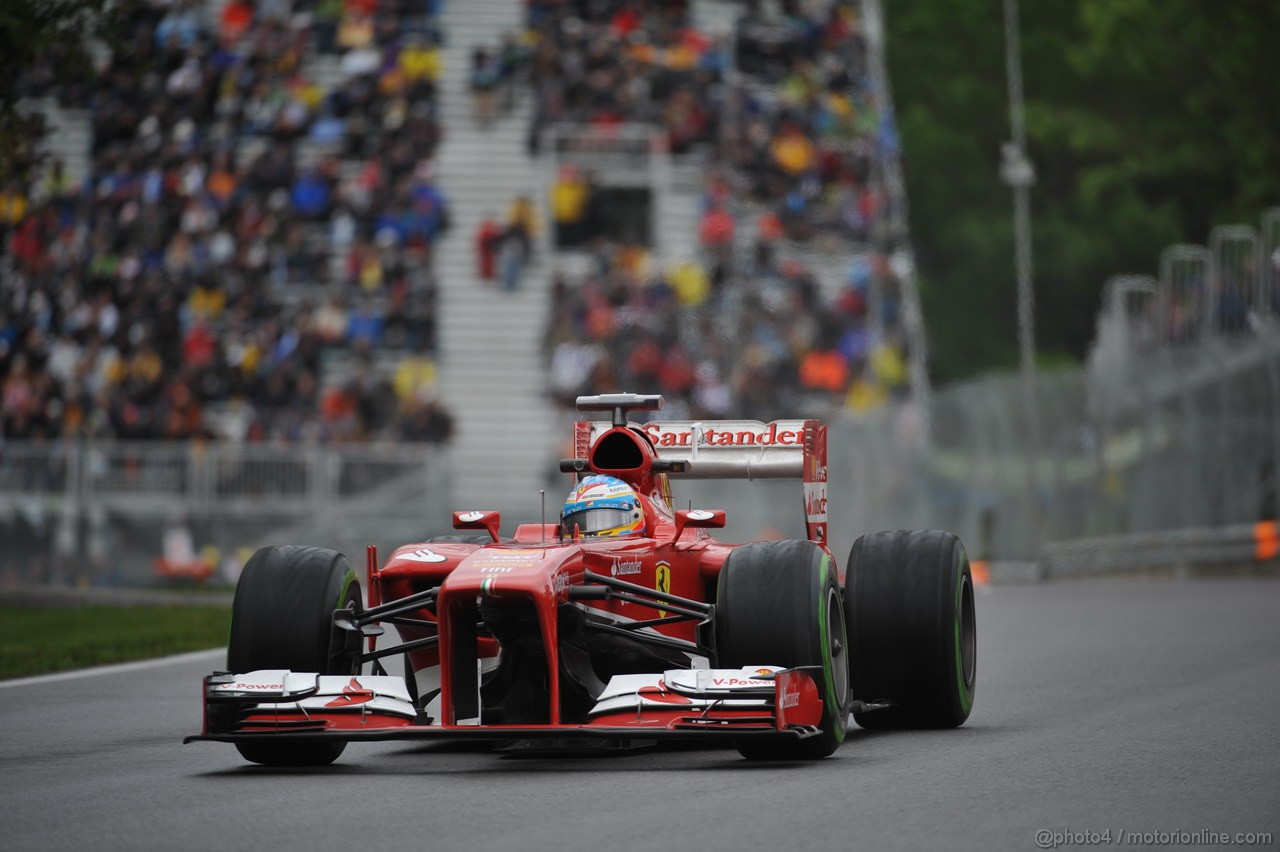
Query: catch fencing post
1235, 251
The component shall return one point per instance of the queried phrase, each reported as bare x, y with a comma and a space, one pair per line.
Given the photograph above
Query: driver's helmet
602, 506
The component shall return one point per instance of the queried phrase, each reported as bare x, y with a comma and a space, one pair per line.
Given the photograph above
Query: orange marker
1267, 539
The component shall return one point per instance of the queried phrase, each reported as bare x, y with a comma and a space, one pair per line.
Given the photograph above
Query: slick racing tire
779, 604
912, 632
282, 618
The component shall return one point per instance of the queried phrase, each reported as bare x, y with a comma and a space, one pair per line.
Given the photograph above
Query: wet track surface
1123, 705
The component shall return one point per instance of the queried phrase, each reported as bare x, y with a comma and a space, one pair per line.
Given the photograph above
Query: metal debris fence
100, 513
1173, 424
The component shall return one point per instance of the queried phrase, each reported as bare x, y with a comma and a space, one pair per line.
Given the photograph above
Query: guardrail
1239, 546
103, 513
150, 477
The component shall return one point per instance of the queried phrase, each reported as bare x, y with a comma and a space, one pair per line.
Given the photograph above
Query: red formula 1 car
624, 623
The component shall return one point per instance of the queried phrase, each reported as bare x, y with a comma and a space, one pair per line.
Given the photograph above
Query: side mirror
698, 519
491, 521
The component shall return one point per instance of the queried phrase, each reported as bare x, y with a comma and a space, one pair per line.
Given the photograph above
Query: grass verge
38, 640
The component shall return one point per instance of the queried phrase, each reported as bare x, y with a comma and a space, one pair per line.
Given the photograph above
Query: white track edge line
116, 668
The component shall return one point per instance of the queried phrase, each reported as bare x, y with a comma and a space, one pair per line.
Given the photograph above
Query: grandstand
767, 284
367, 230
238, 227
491, 375
263, 225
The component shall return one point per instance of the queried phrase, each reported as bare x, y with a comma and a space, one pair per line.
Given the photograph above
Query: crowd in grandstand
603, 64
192, 286
240, 221
794, 130
803, 137
742, 337
798, 123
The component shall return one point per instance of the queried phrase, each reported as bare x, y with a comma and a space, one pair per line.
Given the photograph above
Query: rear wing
738, 449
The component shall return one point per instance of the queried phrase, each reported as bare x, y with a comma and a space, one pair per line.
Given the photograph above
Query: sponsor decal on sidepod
625, 567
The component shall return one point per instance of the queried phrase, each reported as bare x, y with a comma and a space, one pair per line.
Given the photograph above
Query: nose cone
511, 571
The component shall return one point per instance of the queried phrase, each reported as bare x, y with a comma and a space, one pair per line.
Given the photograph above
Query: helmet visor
602, 521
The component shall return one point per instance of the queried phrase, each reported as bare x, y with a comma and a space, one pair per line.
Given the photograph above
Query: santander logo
771, 435
815, 501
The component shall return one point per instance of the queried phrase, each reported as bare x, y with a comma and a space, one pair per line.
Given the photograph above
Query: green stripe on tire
966, 700
833, 701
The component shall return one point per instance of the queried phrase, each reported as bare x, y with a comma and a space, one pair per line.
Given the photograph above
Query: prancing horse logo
662, 582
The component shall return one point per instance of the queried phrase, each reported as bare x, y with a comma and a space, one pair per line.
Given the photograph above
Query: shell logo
424, 554
660, 693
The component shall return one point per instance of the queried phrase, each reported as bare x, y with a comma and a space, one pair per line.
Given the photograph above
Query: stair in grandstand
716, 16
678, 217
67, 138
507, 433
211, 12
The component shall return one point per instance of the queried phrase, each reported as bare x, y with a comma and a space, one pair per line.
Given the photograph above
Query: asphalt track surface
1138, 706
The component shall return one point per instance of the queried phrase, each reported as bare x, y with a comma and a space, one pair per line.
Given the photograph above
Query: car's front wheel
282, 618
779, 603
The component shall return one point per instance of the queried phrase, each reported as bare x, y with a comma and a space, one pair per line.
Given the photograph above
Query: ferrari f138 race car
625, 623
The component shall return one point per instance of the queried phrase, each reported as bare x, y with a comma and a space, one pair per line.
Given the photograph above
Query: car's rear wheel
282, 618
912, 630
779, 603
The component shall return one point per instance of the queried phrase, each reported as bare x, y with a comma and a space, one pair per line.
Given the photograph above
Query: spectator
511, 259
486, 73
426, 421
234, 21
824, 370
419, 61
522, 220
715, 233
488, 242
149, 304
570, 199
311, 195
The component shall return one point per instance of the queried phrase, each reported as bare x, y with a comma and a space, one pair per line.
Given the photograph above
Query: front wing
700, 704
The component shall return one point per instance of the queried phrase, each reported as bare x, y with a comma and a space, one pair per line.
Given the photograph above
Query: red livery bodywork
547, 634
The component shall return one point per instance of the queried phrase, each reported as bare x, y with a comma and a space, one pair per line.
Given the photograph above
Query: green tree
1149, 121
51, 38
